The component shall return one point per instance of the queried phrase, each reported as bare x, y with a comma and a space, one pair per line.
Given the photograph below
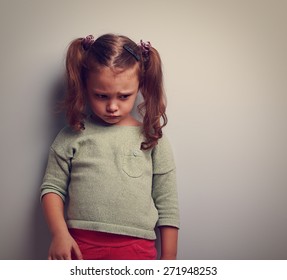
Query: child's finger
77, 252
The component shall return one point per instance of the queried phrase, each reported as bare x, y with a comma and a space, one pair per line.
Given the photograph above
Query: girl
115, 174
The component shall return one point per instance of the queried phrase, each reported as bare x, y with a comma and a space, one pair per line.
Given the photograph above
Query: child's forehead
107, 73
108, 80
110, 70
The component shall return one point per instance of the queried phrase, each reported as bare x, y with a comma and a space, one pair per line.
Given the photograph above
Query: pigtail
154, 106
75, 97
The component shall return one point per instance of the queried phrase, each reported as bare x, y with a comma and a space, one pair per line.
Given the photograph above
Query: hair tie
145, 47
87, 42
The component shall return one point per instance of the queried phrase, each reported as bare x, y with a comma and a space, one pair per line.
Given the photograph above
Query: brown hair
108, 50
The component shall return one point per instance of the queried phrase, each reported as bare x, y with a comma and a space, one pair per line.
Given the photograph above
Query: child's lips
112, 116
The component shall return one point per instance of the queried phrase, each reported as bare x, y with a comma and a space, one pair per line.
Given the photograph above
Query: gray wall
225, 71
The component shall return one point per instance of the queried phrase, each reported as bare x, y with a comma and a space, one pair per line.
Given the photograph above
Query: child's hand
63, 246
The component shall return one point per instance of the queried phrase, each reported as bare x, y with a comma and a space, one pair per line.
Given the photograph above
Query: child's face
112, 95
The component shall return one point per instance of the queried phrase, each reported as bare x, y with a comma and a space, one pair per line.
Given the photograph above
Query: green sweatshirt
109, 184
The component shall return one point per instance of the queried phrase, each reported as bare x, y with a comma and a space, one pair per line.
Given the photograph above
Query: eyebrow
97, 91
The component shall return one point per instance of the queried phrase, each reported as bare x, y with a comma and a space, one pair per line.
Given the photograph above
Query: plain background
225, 69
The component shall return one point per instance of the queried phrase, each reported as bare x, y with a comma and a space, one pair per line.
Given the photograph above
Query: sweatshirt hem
112, 228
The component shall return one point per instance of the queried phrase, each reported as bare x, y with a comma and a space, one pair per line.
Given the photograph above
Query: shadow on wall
41, 234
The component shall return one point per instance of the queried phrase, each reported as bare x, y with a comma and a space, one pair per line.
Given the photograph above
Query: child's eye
100, 96
124, 97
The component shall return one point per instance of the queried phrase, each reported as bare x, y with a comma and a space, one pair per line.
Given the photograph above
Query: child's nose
112, 107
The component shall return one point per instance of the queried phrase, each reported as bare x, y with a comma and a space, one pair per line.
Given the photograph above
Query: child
115, 174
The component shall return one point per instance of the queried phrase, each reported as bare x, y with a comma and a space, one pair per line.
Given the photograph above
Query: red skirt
95, 245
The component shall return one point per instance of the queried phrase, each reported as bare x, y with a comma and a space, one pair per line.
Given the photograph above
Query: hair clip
87, 42
131, 51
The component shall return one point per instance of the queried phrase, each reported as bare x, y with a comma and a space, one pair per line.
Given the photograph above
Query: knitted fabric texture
109, 184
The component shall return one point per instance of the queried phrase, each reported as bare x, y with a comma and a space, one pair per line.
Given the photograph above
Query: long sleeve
57, 175
164, 185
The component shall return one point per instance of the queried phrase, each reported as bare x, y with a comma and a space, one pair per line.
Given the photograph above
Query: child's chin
112, 120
